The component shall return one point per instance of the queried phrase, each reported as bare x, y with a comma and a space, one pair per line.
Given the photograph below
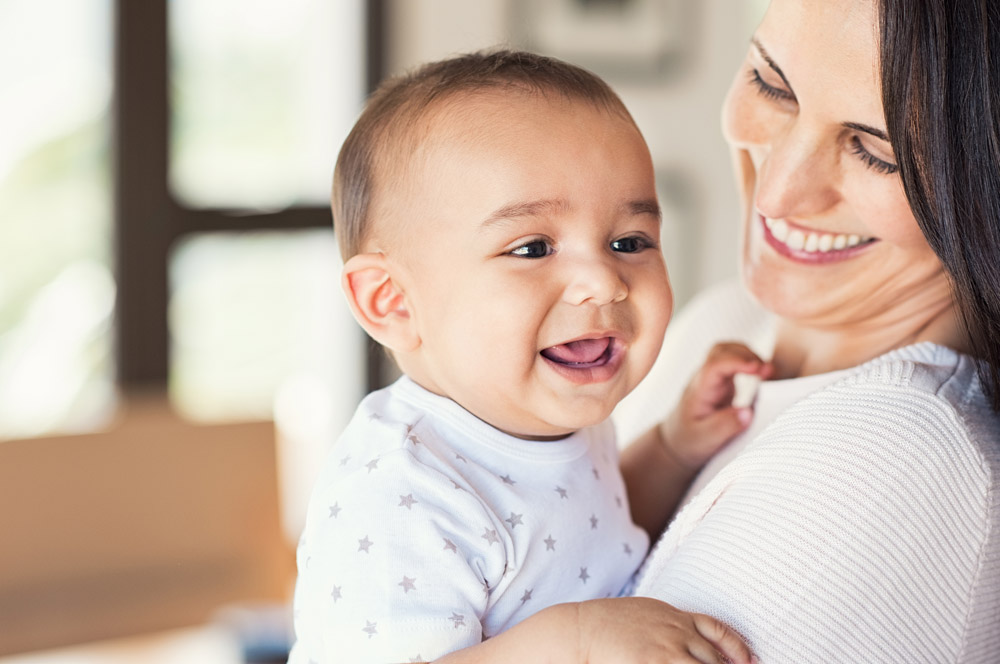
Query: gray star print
372, 465
550, 544
407, 583
364, 544
459, 457
374, 417
334, 510
343, 462
593, 522
583, 574
562, 492
448, 544
526, 596
458, 619
370, 629
506, 480
597, 475
628, 549
490, 536
407, 501
514, 520
618, 501
336, 594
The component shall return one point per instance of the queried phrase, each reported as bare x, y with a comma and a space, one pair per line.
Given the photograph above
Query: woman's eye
533, 249
870, 160
630, 245
767, 90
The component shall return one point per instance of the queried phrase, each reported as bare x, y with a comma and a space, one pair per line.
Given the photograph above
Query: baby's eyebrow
538, 208
520, 209
649, 206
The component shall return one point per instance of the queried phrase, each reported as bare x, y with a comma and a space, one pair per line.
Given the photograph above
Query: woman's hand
638, 629
627, 630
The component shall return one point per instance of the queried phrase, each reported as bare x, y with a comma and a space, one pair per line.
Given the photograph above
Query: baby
498, 218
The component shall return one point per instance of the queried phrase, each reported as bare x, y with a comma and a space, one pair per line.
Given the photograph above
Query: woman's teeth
812, 242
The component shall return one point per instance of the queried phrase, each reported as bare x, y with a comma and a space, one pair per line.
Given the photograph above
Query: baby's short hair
379, 144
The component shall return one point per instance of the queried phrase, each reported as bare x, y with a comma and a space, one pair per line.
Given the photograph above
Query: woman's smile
812, 246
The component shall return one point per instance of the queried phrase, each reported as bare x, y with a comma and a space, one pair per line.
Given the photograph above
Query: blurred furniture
152, 525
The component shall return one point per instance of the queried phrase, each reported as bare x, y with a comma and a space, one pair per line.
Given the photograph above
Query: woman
858, 520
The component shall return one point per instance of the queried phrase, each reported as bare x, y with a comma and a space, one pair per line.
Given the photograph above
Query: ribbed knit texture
860, 526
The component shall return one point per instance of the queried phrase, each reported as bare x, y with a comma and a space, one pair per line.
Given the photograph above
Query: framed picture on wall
624, 40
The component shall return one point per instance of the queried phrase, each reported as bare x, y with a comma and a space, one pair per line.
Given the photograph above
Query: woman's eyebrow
769, 61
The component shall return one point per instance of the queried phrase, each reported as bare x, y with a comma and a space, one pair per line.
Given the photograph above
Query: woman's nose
596, 280
797, 173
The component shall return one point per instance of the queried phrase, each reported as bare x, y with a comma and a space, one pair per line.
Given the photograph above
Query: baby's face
532, 261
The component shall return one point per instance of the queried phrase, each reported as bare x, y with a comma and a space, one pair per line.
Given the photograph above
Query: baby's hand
638, 629
705, 419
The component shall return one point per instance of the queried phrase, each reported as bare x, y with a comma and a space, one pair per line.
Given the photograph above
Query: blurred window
262, 95
56, 285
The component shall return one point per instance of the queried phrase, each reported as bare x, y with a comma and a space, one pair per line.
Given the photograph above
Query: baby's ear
378, 302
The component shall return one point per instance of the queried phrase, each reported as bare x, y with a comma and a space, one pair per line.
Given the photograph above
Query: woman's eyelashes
870, 160
767, 90
771, 92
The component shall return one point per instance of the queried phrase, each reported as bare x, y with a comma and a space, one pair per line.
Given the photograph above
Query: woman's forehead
827, 50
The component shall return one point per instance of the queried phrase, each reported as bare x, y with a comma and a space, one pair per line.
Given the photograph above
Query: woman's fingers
706, 653
725, 640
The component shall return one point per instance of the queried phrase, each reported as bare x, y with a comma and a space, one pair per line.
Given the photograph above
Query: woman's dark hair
940, 71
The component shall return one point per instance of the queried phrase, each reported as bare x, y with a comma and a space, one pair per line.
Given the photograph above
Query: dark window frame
148, 220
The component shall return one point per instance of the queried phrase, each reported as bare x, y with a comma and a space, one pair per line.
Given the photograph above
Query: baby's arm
660, 464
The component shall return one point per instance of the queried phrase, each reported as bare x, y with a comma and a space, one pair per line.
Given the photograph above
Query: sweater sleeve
853, 529
395, 565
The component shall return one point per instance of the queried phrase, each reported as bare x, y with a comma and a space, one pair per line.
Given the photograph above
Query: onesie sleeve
395, 565
853, 529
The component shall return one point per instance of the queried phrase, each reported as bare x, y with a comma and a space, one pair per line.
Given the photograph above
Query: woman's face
829, 239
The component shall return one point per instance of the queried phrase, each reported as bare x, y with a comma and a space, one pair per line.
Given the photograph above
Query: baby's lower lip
812, 248
598, 371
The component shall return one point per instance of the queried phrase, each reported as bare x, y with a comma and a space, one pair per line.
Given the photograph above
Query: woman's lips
583, 361
812, 246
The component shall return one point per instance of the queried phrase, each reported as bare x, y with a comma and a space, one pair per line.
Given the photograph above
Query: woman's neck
808, 350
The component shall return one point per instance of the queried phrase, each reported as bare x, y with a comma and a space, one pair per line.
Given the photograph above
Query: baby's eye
533, 249
630, 245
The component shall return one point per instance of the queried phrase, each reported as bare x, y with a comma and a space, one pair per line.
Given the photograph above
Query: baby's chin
559, 427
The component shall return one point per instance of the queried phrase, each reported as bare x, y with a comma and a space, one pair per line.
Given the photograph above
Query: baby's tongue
578, 352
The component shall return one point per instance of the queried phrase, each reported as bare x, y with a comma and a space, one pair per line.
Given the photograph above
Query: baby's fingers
722, 425
725, 640
728, 359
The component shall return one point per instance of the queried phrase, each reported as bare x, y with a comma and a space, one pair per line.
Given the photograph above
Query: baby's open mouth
581, 354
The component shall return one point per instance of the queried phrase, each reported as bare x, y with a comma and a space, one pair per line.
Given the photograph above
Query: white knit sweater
862, 524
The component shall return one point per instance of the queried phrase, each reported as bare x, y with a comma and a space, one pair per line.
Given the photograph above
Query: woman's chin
787, 296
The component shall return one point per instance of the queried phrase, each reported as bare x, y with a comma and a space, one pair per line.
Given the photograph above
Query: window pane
254, 314
56, 285
263, 94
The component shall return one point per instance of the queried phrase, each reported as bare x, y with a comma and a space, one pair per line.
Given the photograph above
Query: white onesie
429, 531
